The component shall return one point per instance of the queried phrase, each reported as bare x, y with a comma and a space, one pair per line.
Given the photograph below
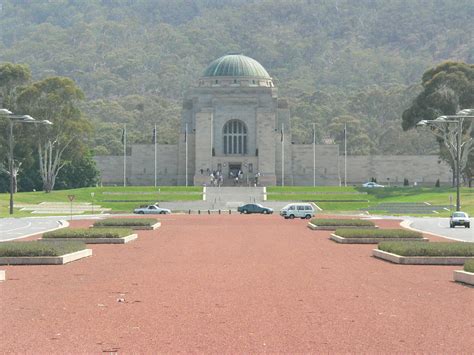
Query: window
235, 137
300, 208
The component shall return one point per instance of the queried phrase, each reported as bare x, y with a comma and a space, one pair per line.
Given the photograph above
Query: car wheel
291, 216
308, 216
265, 211
468, 225
451, 225
245, 211
141, 212
163, 212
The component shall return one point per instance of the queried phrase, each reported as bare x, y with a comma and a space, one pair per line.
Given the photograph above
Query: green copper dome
236, 65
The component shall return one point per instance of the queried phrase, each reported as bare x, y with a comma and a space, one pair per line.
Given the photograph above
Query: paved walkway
234, 284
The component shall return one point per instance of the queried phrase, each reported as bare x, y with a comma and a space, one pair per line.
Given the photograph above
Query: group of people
237, 177
216, 178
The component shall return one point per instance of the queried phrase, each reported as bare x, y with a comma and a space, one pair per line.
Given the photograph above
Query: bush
88, 233
428, 249
38, 248
469, 266
378, 233
128, 222
342, 222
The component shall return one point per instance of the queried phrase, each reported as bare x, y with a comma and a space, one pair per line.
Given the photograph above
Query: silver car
152, 209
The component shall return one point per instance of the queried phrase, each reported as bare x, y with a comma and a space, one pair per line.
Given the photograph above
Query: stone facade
233, 120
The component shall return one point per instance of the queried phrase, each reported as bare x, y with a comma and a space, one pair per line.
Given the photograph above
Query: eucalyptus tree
56, 99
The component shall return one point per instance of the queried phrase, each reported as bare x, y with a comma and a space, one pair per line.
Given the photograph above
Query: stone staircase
225, 197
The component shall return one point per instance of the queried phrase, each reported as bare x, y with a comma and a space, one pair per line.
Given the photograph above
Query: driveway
440, 226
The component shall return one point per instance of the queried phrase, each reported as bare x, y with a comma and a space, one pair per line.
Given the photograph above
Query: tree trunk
50, 163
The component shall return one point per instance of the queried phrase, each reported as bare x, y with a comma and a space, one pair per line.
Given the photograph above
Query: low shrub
428, 249
88, 233
342, 222
469, 266
38, 248
378, 233
127, 222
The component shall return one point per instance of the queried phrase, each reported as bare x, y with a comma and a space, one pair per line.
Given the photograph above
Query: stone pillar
203, 144
266, 145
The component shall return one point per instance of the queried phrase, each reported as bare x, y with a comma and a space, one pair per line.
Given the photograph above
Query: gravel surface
234, 284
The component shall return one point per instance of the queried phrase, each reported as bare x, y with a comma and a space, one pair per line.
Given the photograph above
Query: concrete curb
2, 275
332, 228
342, 240
420, 260
122, 240
464, 277
46, 260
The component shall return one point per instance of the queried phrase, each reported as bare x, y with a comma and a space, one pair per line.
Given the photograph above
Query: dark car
459, 219
254, 208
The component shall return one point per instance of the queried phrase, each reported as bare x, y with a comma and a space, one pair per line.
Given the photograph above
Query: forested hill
337, 61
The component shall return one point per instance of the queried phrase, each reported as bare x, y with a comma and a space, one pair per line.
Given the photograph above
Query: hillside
331, 58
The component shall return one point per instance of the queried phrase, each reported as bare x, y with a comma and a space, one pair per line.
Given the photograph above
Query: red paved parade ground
234, 284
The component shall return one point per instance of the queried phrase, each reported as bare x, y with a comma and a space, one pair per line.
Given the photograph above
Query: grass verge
342, 222
37, 248
88, 233
428, 249
469, 266
378, 233
127, 222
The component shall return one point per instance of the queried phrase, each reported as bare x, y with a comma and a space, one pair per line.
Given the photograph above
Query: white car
371, 184
152, 209
459, 219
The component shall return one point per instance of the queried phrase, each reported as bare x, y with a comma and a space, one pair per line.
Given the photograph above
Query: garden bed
2, 275
42, 253
467, 275
371, 236
132, 223
443, 253
333, 224
92, 236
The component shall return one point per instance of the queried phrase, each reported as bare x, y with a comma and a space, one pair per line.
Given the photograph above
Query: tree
358, 142
447, 88
80, 172
56, 99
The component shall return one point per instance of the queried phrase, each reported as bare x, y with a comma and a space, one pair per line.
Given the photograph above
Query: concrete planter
464, 277
332, 228
343, 240
420, 260
151, 227
2, 275
122, 240
46, 260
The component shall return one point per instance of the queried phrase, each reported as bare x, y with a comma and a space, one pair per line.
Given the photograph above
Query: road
440, 226
16, 228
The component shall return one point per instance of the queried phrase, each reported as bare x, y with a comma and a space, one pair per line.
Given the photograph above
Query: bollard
219, 211
189, 211
229, 211
199, 211
208, 211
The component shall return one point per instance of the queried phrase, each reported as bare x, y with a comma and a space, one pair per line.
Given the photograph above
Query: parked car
254, 208
299, 210
459, 219
151, 209
371, 184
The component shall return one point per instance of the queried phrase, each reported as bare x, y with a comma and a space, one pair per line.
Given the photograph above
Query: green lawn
119, 199
347, 199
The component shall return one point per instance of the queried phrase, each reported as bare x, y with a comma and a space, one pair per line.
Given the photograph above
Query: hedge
469, 266
88, 233
128, 222
378, 233
428, 249
38, 248
342, 222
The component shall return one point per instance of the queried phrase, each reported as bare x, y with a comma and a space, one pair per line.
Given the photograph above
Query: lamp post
4, 113
458, 120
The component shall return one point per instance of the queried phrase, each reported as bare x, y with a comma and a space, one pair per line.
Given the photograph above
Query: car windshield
459, 214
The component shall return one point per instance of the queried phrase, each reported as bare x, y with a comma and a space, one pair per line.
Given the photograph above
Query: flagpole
282, 155
186, 147
154, 140
125, 155
314, 154
345, 154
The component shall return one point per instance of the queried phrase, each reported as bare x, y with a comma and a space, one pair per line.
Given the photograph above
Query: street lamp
4, 113
458, 120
